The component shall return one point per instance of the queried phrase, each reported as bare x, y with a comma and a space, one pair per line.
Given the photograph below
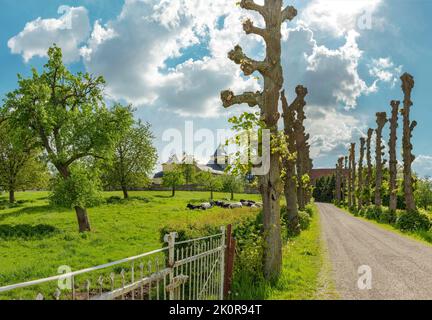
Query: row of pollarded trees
289, 160
359, 190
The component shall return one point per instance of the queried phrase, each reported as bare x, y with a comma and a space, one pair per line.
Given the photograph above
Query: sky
168, 58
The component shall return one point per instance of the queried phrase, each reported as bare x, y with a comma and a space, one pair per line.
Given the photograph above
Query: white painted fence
186, 270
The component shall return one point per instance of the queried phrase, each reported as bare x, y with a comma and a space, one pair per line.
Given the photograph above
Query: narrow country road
401, 268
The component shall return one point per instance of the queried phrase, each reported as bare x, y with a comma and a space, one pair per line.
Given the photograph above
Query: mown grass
305, 274
36, 238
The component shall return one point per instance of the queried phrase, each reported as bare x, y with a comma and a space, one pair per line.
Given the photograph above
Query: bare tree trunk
350, 180
345, 181
381, 121
267, 100
302, 147
339, 178
173, 191
368, 184
408, 128
392, 155
12, 196
125, 192
360, 174
232, 195
289, 162
353, 175
83, 220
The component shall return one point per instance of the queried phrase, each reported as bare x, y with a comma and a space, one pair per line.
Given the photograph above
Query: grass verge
422, 236
305, 272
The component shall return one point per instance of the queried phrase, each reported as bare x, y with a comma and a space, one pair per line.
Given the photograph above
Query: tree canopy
133, 160
67, 116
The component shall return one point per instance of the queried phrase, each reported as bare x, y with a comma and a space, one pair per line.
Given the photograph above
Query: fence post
170, 239
222, 266
229, 260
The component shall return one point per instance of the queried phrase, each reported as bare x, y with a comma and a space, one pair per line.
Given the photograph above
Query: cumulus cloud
134, 52
423, 165
340, 16
383, 69
68, 32
134, 62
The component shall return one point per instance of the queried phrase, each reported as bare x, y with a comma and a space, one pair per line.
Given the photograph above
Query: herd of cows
225, 205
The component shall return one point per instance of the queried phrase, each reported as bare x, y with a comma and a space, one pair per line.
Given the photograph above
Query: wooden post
170, 239
229, 261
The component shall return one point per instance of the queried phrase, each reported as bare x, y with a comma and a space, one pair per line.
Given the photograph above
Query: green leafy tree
173, 179
20, 164
210, 182
232, 184
134, 159
189, 172
423, 193
67, 115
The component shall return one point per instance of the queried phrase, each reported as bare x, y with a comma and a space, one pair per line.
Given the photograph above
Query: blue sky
168, 58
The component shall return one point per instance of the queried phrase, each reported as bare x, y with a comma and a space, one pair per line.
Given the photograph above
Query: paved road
401, 268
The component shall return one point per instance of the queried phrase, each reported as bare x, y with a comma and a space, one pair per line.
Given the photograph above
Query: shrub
310, 209
387, 216
413, 221
372, 213
304, 220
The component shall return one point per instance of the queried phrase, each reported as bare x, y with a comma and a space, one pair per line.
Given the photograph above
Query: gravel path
400, 268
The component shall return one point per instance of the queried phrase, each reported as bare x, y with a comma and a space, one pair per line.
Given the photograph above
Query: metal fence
185, 270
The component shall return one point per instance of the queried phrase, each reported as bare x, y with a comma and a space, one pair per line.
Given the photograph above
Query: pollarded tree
346, 180
20, 163
339, 178
271, 70
304, 165
211, 182
368, 182
361, 174
173, 179
379, 162
392, 155
133, 160
350, 168
353, 175
67, 116
289, 166
408, 128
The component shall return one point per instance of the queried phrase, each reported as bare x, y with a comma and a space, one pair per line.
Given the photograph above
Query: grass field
36, 238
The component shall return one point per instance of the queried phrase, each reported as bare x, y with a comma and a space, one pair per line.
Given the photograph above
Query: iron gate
186, 270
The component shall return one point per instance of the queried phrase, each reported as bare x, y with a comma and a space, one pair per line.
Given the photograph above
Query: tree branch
251, 5
249, 28
247, 65
251, 98
289, 13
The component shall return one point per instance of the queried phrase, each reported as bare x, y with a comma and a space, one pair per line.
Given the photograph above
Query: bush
388, 217
372, 213
310, 209
413, 221
304, 220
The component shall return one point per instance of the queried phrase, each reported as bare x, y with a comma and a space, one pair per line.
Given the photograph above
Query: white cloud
331, 131
68, 32
383, 69
339, 16
423, 165
134, 62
